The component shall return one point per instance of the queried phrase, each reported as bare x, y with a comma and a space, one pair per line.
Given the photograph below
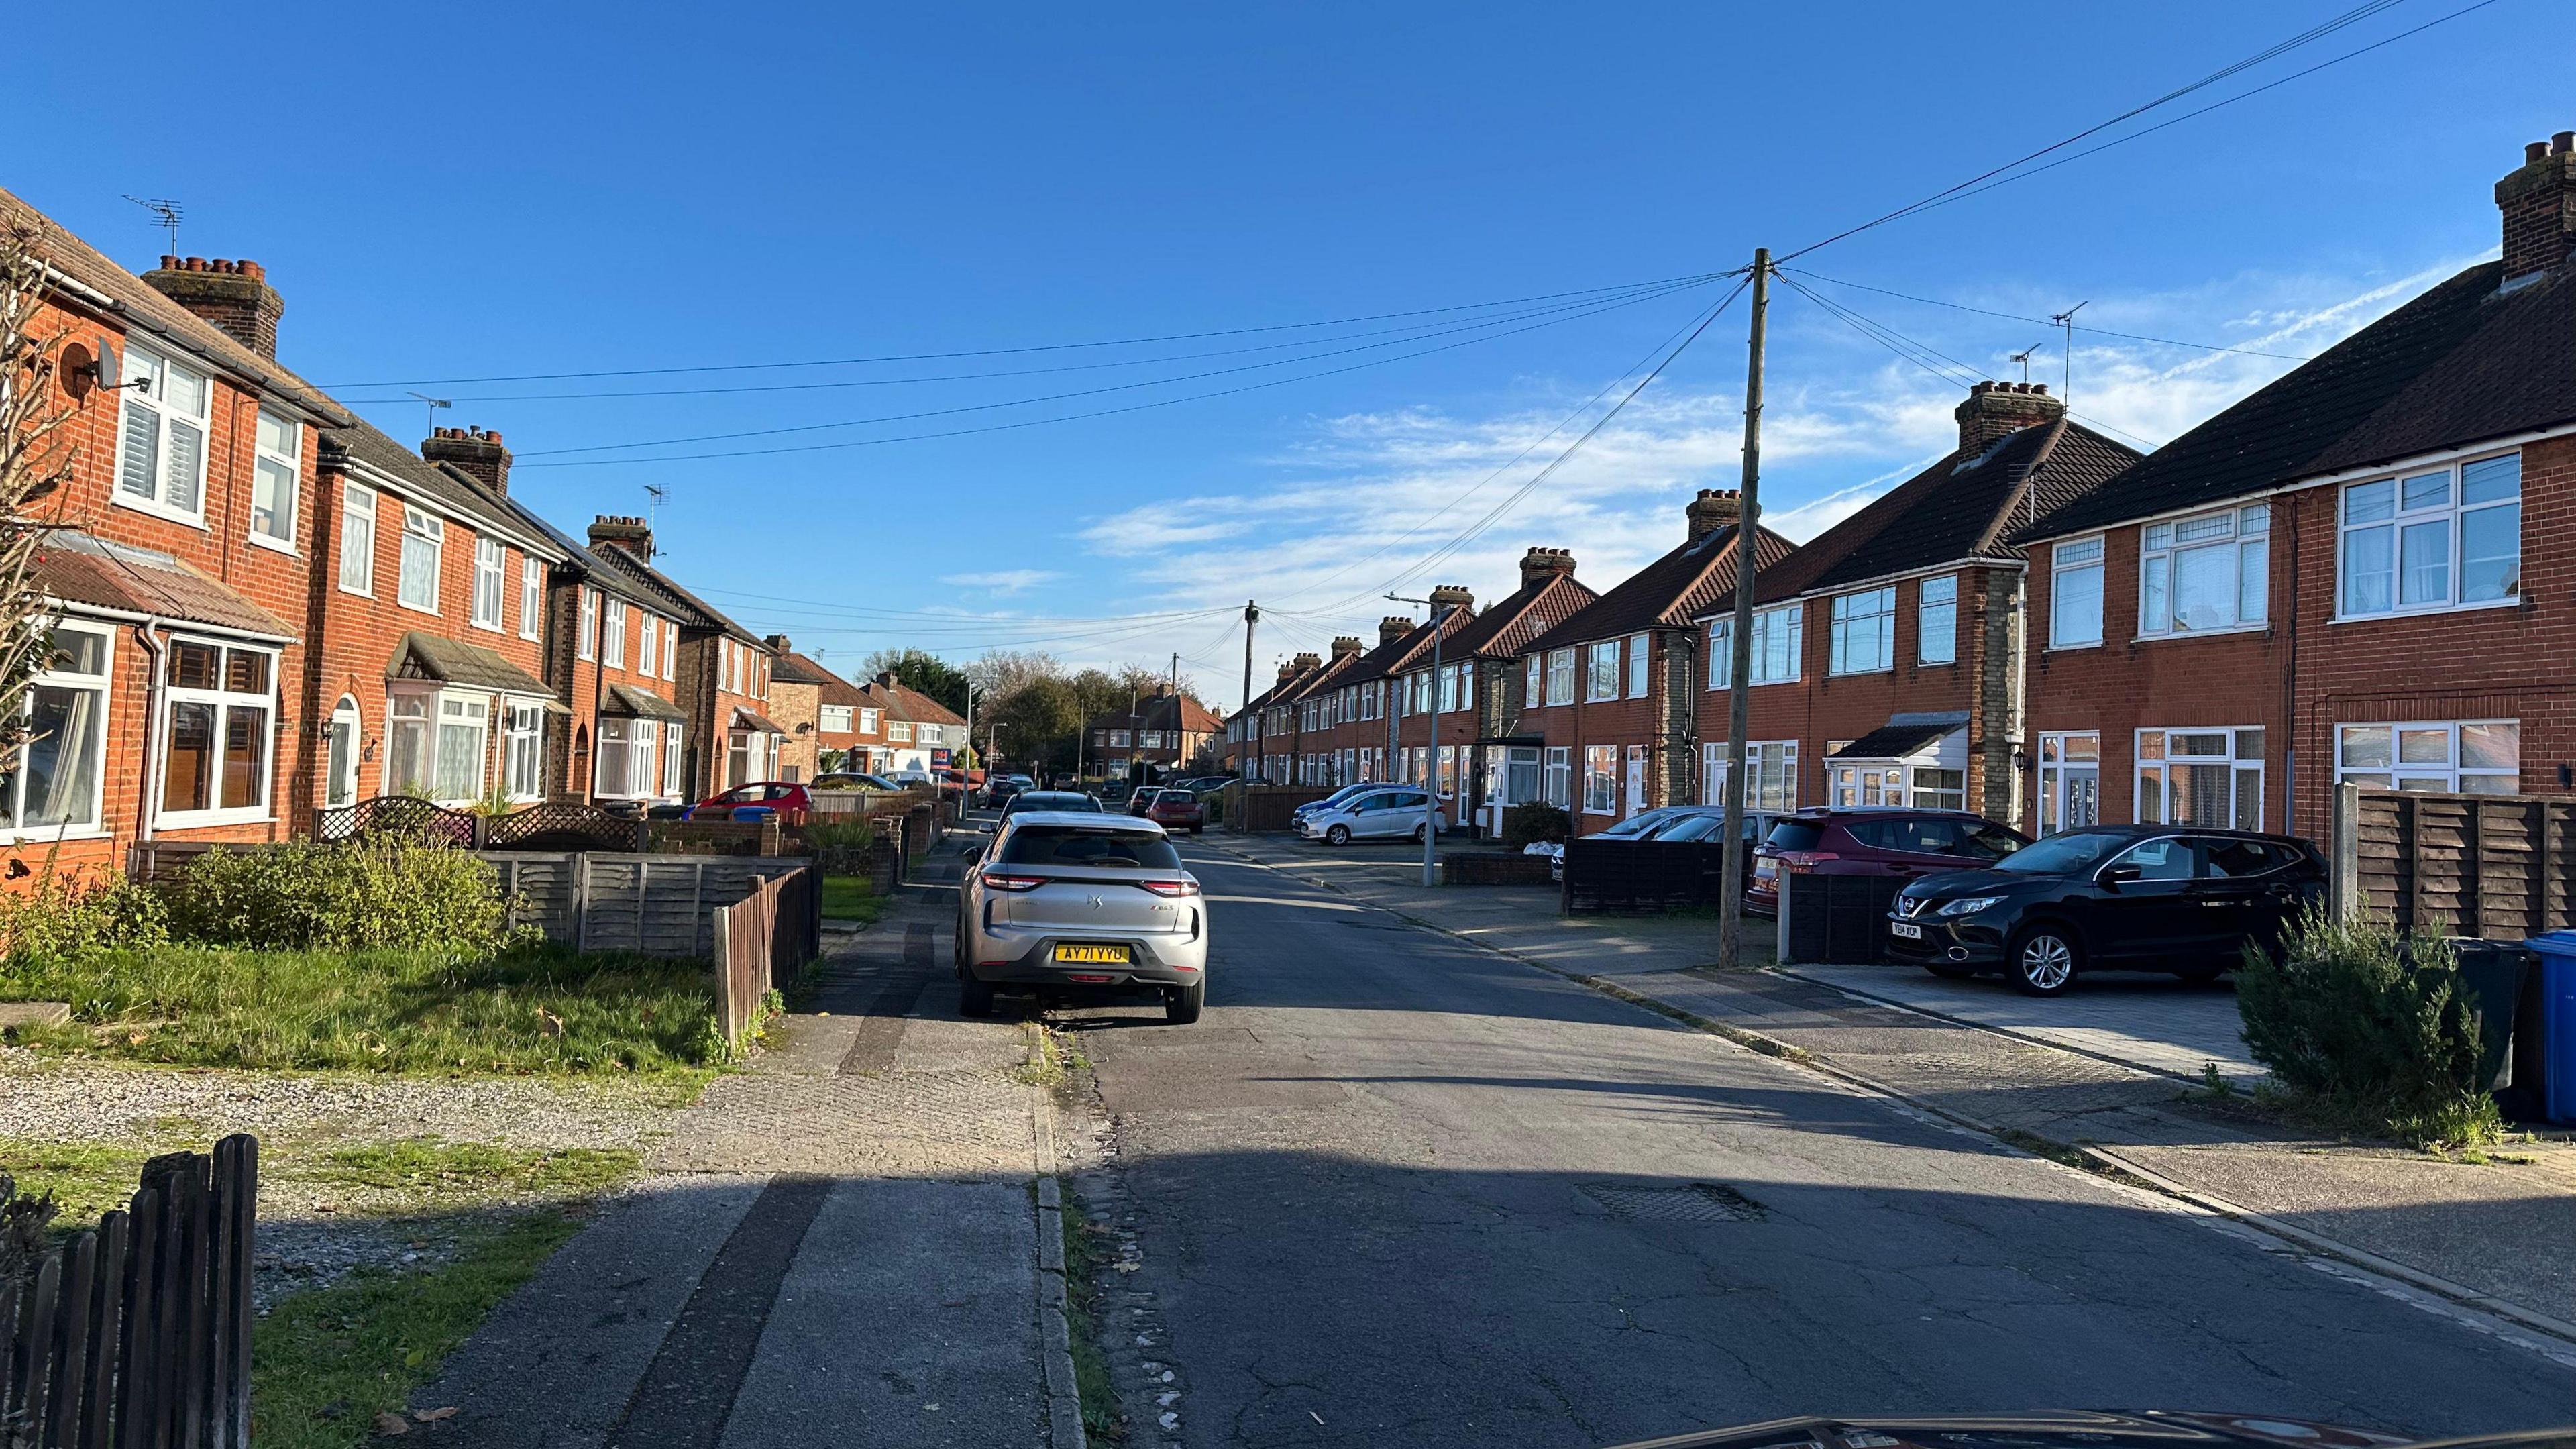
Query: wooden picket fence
137, 1334
762, 941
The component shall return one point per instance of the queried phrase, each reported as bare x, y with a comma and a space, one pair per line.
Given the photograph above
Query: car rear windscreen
1075, 845
1795, 835
1055, 800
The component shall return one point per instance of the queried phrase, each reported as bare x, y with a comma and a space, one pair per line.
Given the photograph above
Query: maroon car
1874, 840
1175, 810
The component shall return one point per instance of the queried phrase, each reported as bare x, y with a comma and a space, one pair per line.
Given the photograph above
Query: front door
341, 782
1636, 778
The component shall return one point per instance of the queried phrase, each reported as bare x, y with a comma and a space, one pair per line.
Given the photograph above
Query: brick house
1612, 691
1888, 652
920, 732
2353, 574
1505, 762
1158, 736
796, 686
429, 624
719, 669
1364, 744
183, 584
1255, 748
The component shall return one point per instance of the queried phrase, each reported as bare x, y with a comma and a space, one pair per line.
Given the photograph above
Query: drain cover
1684, 1202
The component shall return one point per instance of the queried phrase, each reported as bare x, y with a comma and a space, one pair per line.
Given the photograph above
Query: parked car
1080, 903
853, 780
1140, 798
1874, 840
998, 788
1339, 797
1628, 829
788, 798
911, 779
2126, 897
1060, 800
1683, 823
1177, 810
1378, 812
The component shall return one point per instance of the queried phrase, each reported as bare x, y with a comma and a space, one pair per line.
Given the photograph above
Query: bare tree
37, 452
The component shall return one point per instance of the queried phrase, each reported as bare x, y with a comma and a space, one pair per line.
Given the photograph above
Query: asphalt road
1393, 1190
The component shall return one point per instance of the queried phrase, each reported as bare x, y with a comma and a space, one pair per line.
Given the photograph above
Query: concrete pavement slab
2154, 1022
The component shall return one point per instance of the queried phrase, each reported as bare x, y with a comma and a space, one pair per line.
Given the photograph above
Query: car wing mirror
2112, 875
971, 854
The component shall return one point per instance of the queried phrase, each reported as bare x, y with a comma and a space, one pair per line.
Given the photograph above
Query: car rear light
1088, 979
1173, 888
1802, 861
1014, 882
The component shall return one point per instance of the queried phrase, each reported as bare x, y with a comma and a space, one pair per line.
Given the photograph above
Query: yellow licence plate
1092, 955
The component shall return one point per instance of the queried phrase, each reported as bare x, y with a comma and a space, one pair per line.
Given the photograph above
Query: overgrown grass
851, 898
1083, 1264
326, 1363
530, 1009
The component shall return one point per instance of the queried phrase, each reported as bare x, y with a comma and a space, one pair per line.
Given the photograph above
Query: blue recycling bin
2556, 951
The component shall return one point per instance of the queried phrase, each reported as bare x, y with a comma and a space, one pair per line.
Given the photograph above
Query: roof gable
1668, 593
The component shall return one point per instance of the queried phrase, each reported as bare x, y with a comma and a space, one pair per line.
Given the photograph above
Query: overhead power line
2047, 321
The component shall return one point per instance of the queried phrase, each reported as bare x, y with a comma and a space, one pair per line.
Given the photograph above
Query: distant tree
929, 673
1004, 671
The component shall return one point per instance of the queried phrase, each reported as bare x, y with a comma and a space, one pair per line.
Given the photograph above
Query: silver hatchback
1067, 901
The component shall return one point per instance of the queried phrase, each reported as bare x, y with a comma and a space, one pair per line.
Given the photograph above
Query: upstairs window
585, 634
835, 719
2075, 594
532, 598
1864, 632
1776, 640
2442, 539
1531, 698
423, 538
671, 651
490, 563
2207, 572
275, 476
357, 539
612, 638
1601, 672
1560, 676
1936, 620
1638, 657
161, 439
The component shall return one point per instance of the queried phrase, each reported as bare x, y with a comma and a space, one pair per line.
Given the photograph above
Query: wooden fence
659, 905
1262, 809
1835, 919
2500, 867
137, 1335
1619, 876
762, 941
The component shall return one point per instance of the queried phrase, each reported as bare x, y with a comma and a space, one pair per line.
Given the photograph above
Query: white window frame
464, 710
671, 759
1601, 779
358, 540
671, 649
2243, 535
1560, 676
870, 720
1774, 646
833, 719
1601, 671
2448, 775
2057, 759
523, 749
2454, 513
1560, 776
1863, 786
1770, 774
612, 636
1533, 683
2152, 753
1936, 620
491, 569
2073, 561
146, 404
223, 702
1874, 606
585, 633
532, 598
427, 529
1640, 661
280, 470
98, 684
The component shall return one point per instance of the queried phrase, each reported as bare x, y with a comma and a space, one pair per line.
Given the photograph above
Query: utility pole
1431, 757
1251, 616
1739, 698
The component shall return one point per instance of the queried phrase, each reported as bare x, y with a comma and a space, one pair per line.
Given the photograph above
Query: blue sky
479, 190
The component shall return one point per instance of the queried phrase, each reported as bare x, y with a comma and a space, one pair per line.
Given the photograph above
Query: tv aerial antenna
655, 496
165, 215
2066, 320
434, 404
2023, 357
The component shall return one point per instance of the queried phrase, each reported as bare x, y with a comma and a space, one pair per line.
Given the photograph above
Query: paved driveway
2155, 1022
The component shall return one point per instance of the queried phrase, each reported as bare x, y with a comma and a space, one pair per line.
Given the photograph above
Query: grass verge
1083, 1262
537, 1010
851, 898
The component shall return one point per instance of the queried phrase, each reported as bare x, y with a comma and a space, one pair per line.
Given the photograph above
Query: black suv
2117, 897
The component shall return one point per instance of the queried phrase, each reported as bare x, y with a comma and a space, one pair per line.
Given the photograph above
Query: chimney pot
2562, 142
1996, 409
170, 263
1713, 509
474, 450
2534, 152
2537, 206
232, 296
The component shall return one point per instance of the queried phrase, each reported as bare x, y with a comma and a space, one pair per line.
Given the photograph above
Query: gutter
153, 697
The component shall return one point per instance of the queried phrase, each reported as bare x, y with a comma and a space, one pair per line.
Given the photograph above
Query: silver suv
1072, 901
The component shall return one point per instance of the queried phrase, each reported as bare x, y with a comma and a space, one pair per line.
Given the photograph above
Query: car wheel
2043, 961
974, 998
1417, 835
1182, 1004
1338, 835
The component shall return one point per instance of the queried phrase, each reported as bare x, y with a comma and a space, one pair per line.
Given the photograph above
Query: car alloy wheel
2043, 962
1338, 835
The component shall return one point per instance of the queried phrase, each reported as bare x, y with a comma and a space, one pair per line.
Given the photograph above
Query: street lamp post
1431, 759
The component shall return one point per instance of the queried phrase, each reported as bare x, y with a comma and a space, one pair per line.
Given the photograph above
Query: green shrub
1532, 821
2371, 1026
67, 915
823, 835
363, 895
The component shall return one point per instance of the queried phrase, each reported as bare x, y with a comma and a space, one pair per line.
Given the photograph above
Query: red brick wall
1649, 720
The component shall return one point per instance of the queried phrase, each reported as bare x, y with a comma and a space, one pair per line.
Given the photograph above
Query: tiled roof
1963, 506
909, 703
1536, 607
79, 569
587, 564
628, 699
423, 655
148, 309
1895, 741
794, 668
1667, 593
445, 488
670, 598
2458, 365
746, 718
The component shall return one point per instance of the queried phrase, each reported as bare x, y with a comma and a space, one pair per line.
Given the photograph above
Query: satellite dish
80, 371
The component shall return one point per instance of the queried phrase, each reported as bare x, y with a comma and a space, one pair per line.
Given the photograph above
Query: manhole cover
1686, 1202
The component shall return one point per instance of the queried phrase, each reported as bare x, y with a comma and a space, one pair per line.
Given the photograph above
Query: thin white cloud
1001, 581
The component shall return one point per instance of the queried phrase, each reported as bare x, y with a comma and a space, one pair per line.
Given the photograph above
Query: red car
1176, 810
1882, 840
788, 798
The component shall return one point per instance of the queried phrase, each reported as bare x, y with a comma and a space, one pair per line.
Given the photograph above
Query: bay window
407, 745
2211, 777
2075, 594
277, 450
2472, 757
55, 788
1936, 620
422, 539
216, 738
1864, 632
161, 436
1601, 674
1775, 651
2207, 572
462, 723
2445, 538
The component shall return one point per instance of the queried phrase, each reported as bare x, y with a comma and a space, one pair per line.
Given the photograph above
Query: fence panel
138, 1332
2498, 867
613, 901
762, 942
1836, 919
1613, 876
563, 825
1261, 809
401, 816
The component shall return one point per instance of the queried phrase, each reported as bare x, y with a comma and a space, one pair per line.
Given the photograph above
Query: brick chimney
1998, 409
1345, 646
635, 536
1541, 564
1393, 627
474, 450
1454, 597
234, 296
1713, 509
2539, 206
1309, 661
1287, 672
778, 644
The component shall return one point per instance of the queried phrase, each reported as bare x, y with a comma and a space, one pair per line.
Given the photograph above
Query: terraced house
1480, 683
720, 670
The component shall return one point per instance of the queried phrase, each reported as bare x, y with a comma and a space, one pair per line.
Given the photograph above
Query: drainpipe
145, 635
